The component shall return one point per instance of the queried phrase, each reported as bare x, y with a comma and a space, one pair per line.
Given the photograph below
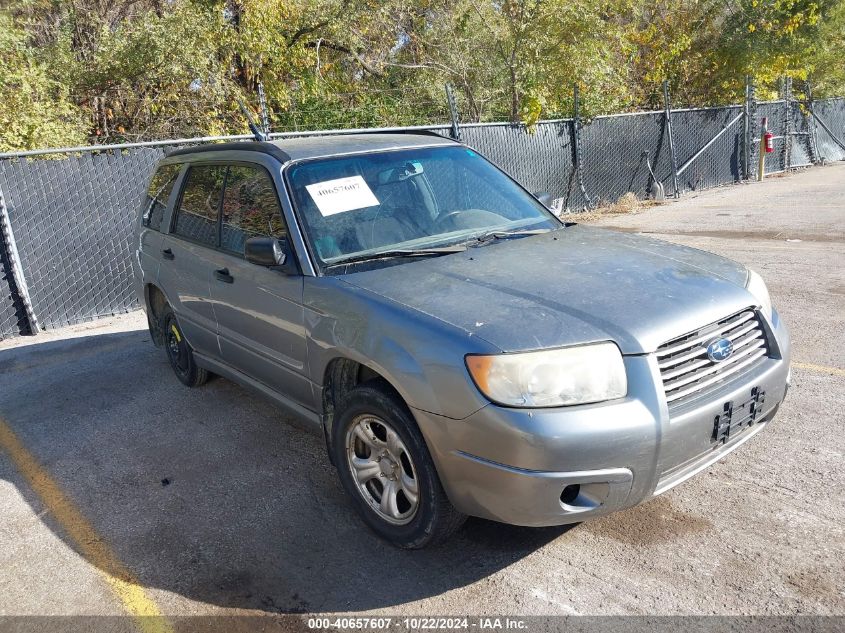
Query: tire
179, 353
377, 449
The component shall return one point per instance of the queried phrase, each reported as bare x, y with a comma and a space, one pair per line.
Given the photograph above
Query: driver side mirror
269, 252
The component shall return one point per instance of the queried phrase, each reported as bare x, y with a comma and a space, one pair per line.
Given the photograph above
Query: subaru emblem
720, 349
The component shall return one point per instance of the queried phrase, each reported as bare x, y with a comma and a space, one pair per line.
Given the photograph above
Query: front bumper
555, 466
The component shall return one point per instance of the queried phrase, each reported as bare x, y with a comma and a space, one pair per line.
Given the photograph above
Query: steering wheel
449, 216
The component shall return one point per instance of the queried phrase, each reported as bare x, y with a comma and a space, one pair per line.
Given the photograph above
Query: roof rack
275, 145
426, 130
263, 147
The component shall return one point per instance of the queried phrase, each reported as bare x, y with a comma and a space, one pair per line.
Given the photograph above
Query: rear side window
250, 208
157, 195
196, 218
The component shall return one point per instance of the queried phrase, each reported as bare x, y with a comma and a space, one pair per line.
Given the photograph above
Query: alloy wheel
382, 469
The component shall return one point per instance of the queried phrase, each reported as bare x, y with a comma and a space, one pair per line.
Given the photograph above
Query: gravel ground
217, 504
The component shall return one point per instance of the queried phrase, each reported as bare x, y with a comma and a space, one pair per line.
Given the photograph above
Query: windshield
414, 199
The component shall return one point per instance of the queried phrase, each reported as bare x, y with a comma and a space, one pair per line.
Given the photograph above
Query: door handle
167, 254
223, 275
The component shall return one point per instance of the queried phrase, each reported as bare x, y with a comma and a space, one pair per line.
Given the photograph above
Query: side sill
311, 418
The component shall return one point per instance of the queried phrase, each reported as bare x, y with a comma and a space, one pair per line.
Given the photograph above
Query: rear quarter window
158, 193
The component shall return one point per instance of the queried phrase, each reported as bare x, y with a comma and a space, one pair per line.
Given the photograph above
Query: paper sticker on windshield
342, 194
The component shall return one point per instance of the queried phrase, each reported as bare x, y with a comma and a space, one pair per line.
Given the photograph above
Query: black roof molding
241, 146
414, 132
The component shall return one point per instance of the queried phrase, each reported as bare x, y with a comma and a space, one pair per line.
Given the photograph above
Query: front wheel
385, 466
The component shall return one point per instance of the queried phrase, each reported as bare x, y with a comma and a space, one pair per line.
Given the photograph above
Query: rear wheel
385, 466
180, 354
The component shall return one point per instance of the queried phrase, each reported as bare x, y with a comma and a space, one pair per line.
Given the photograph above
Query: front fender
420, 356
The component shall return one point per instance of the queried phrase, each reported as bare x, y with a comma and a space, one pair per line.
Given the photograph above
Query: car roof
300, 148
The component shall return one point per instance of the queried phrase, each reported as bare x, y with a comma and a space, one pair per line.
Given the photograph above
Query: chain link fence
71, 220
66, 218
13, 314
775, 113
617, 151
828, 123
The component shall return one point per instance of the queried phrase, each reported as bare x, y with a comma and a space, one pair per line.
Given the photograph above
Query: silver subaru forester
461, 349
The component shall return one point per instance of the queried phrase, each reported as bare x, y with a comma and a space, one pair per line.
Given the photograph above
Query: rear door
187, 255
152, 214
260, 317
148, 238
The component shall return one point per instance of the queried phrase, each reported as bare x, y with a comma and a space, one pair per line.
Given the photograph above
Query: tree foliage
37, 109
76, 71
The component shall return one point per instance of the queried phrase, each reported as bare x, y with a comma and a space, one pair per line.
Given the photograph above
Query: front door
260, 318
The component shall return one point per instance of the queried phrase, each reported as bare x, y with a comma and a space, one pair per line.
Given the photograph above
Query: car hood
575, 285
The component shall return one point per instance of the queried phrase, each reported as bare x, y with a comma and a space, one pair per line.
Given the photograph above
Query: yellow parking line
126, 587
822, 368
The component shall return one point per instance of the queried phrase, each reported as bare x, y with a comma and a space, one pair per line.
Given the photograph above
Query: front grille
686, 369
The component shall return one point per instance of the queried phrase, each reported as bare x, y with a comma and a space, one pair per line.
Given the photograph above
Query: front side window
250, 208
158, 193
413, 199
196, 218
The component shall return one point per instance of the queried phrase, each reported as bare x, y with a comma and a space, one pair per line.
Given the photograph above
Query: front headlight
757, 287
551, 378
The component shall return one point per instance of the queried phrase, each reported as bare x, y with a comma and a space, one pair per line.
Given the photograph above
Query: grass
627, 203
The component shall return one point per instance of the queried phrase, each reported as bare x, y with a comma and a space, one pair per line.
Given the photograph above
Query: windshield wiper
503, 235
394, 254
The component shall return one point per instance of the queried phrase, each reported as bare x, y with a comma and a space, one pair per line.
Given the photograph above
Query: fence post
753, 122
787, 123
262, 102
811, 120
453, 111
576, 142
761, 164
20, 292
746, 131
668, 116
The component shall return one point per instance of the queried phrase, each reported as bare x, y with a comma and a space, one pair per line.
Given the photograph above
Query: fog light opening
570, 493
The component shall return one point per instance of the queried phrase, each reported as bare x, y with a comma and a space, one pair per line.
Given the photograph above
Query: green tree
37, 109
114, 70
